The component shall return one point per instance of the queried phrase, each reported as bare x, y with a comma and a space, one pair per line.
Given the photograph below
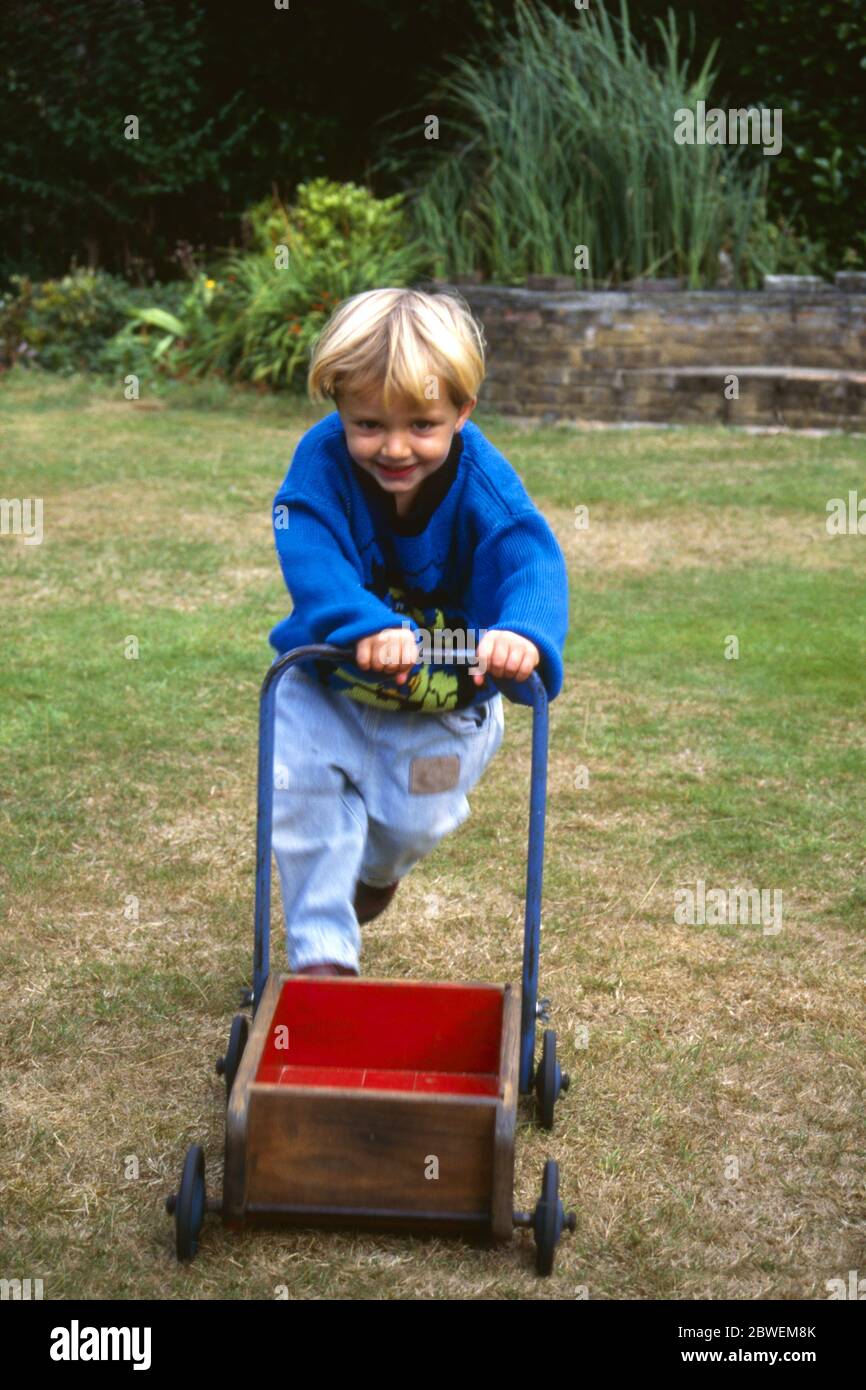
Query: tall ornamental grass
569, 141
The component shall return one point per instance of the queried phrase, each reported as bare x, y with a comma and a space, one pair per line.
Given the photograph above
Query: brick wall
799, 357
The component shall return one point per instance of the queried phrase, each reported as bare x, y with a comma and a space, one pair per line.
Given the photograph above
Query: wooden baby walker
382, 1104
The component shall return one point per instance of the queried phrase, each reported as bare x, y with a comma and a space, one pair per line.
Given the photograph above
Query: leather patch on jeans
440, 774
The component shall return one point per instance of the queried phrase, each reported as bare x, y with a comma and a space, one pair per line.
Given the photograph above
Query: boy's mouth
401, 472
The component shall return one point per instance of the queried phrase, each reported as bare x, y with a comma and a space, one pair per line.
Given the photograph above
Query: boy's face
404, 446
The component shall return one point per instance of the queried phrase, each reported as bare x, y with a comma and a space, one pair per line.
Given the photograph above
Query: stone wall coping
759, 373
660, 301
581, 424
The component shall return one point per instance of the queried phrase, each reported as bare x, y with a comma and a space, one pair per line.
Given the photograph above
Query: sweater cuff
351, 632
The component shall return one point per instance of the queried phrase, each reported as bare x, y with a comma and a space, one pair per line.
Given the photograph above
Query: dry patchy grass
712, 1141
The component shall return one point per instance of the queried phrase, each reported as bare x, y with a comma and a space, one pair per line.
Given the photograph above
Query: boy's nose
396, 448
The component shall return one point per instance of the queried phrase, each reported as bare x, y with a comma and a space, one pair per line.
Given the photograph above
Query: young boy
397, 520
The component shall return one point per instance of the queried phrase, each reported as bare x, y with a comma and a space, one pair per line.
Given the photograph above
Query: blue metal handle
535, 856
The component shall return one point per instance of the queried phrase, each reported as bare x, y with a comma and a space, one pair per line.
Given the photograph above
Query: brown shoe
369, 902
328, 969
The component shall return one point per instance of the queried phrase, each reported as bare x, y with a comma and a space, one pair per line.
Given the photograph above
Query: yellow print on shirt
431, 689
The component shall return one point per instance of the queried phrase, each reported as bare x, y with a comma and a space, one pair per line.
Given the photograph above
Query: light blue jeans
365, 793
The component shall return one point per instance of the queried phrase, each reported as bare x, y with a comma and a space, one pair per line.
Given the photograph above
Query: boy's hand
394, 649
505, 654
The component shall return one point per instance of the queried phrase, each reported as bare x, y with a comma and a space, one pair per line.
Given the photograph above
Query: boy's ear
465, 412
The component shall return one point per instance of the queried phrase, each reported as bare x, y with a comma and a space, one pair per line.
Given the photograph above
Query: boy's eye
418, 424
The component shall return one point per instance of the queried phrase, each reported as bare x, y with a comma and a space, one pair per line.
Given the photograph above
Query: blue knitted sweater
476, 555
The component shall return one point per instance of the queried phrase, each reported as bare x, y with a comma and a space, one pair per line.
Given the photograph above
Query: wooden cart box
378, 1103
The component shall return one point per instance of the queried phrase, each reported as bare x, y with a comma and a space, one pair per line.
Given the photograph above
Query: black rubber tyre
547, 1081
189, 1207
548, 1219
228, 1066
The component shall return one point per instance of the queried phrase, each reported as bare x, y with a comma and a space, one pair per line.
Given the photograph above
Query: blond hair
396, 340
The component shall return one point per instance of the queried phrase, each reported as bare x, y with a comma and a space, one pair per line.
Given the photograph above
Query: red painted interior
393, 1036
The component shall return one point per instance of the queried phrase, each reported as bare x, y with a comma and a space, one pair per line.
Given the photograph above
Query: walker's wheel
228, 1066
189, 1204
549, 1080
549, 1219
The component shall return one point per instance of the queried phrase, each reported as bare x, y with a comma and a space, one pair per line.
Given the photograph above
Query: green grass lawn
712, 1142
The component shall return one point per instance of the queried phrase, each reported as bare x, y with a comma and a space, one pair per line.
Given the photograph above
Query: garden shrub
326, 216
65, 323
14, 308
69, 324
268, 306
